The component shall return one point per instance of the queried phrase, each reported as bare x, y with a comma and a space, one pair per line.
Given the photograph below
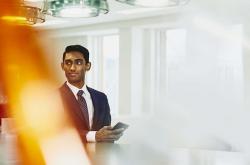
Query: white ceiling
221, 10
118, 11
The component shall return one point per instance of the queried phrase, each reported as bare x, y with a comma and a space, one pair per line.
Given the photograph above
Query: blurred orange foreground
42, 132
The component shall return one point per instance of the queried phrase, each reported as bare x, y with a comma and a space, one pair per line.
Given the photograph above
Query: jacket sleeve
107, 119
83, 134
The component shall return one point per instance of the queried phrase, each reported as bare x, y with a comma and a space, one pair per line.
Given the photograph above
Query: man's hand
106, 134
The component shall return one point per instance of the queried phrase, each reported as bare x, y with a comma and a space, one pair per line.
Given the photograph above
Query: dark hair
77, 48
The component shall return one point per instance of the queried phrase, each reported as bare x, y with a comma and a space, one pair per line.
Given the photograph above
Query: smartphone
120, 125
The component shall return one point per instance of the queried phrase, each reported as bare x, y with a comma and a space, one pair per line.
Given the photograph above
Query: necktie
83, 106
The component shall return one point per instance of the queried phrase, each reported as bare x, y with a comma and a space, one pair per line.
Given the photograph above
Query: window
175, 56
110, 49
104, 74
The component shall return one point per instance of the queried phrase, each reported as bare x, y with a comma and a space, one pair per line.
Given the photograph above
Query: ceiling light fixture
76, 8
21, 13
155, 3
33, 14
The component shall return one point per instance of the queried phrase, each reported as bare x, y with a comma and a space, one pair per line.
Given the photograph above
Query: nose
72, 67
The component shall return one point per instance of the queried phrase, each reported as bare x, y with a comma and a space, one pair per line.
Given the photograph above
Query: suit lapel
95, 105
71, 100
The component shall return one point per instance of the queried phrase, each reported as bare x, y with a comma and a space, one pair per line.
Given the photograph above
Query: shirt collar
75, 89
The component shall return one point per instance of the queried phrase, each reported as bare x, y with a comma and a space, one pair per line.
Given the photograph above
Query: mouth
72, 74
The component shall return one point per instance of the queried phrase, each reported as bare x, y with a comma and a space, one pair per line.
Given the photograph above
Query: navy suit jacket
101, 115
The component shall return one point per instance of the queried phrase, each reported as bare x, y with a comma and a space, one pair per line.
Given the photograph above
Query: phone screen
120, 125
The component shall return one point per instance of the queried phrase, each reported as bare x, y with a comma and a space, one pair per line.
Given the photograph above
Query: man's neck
79, 85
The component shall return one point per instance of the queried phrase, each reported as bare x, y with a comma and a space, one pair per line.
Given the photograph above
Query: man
88, 108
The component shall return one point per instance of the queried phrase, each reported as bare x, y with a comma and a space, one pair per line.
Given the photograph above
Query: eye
79, 62
68, 62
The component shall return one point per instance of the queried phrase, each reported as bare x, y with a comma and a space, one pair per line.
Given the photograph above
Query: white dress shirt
91, 134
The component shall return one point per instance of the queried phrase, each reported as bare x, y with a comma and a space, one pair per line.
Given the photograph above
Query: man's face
75, 66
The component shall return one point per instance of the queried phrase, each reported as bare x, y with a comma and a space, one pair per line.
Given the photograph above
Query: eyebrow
79, 59
73, 59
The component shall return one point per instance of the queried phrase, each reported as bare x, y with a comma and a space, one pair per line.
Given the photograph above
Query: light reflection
77, 12
64, 149
45, 105
14, 19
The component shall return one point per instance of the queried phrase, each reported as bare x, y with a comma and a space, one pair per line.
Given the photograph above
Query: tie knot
79, 93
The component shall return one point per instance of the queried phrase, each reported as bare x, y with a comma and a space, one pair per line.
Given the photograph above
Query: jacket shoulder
63, 89
96, 92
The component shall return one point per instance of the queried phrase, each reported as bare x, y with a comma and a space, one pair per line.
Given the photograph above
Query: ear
88, 66
62, 66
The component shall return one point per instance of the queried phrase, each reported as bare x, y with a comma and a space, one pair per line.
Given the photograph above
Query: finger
113, 137
117, 137
108, 132
109, 127
105, 127
108, 140
105, 132
118, 131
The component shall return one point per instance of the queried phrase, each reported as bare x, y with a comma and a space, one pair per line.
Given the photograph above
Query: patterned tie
83, 106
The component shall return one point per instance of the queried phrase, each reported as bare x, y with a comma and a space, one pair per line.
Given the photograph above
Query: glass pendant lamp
155, 3
20, 13
77, 8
